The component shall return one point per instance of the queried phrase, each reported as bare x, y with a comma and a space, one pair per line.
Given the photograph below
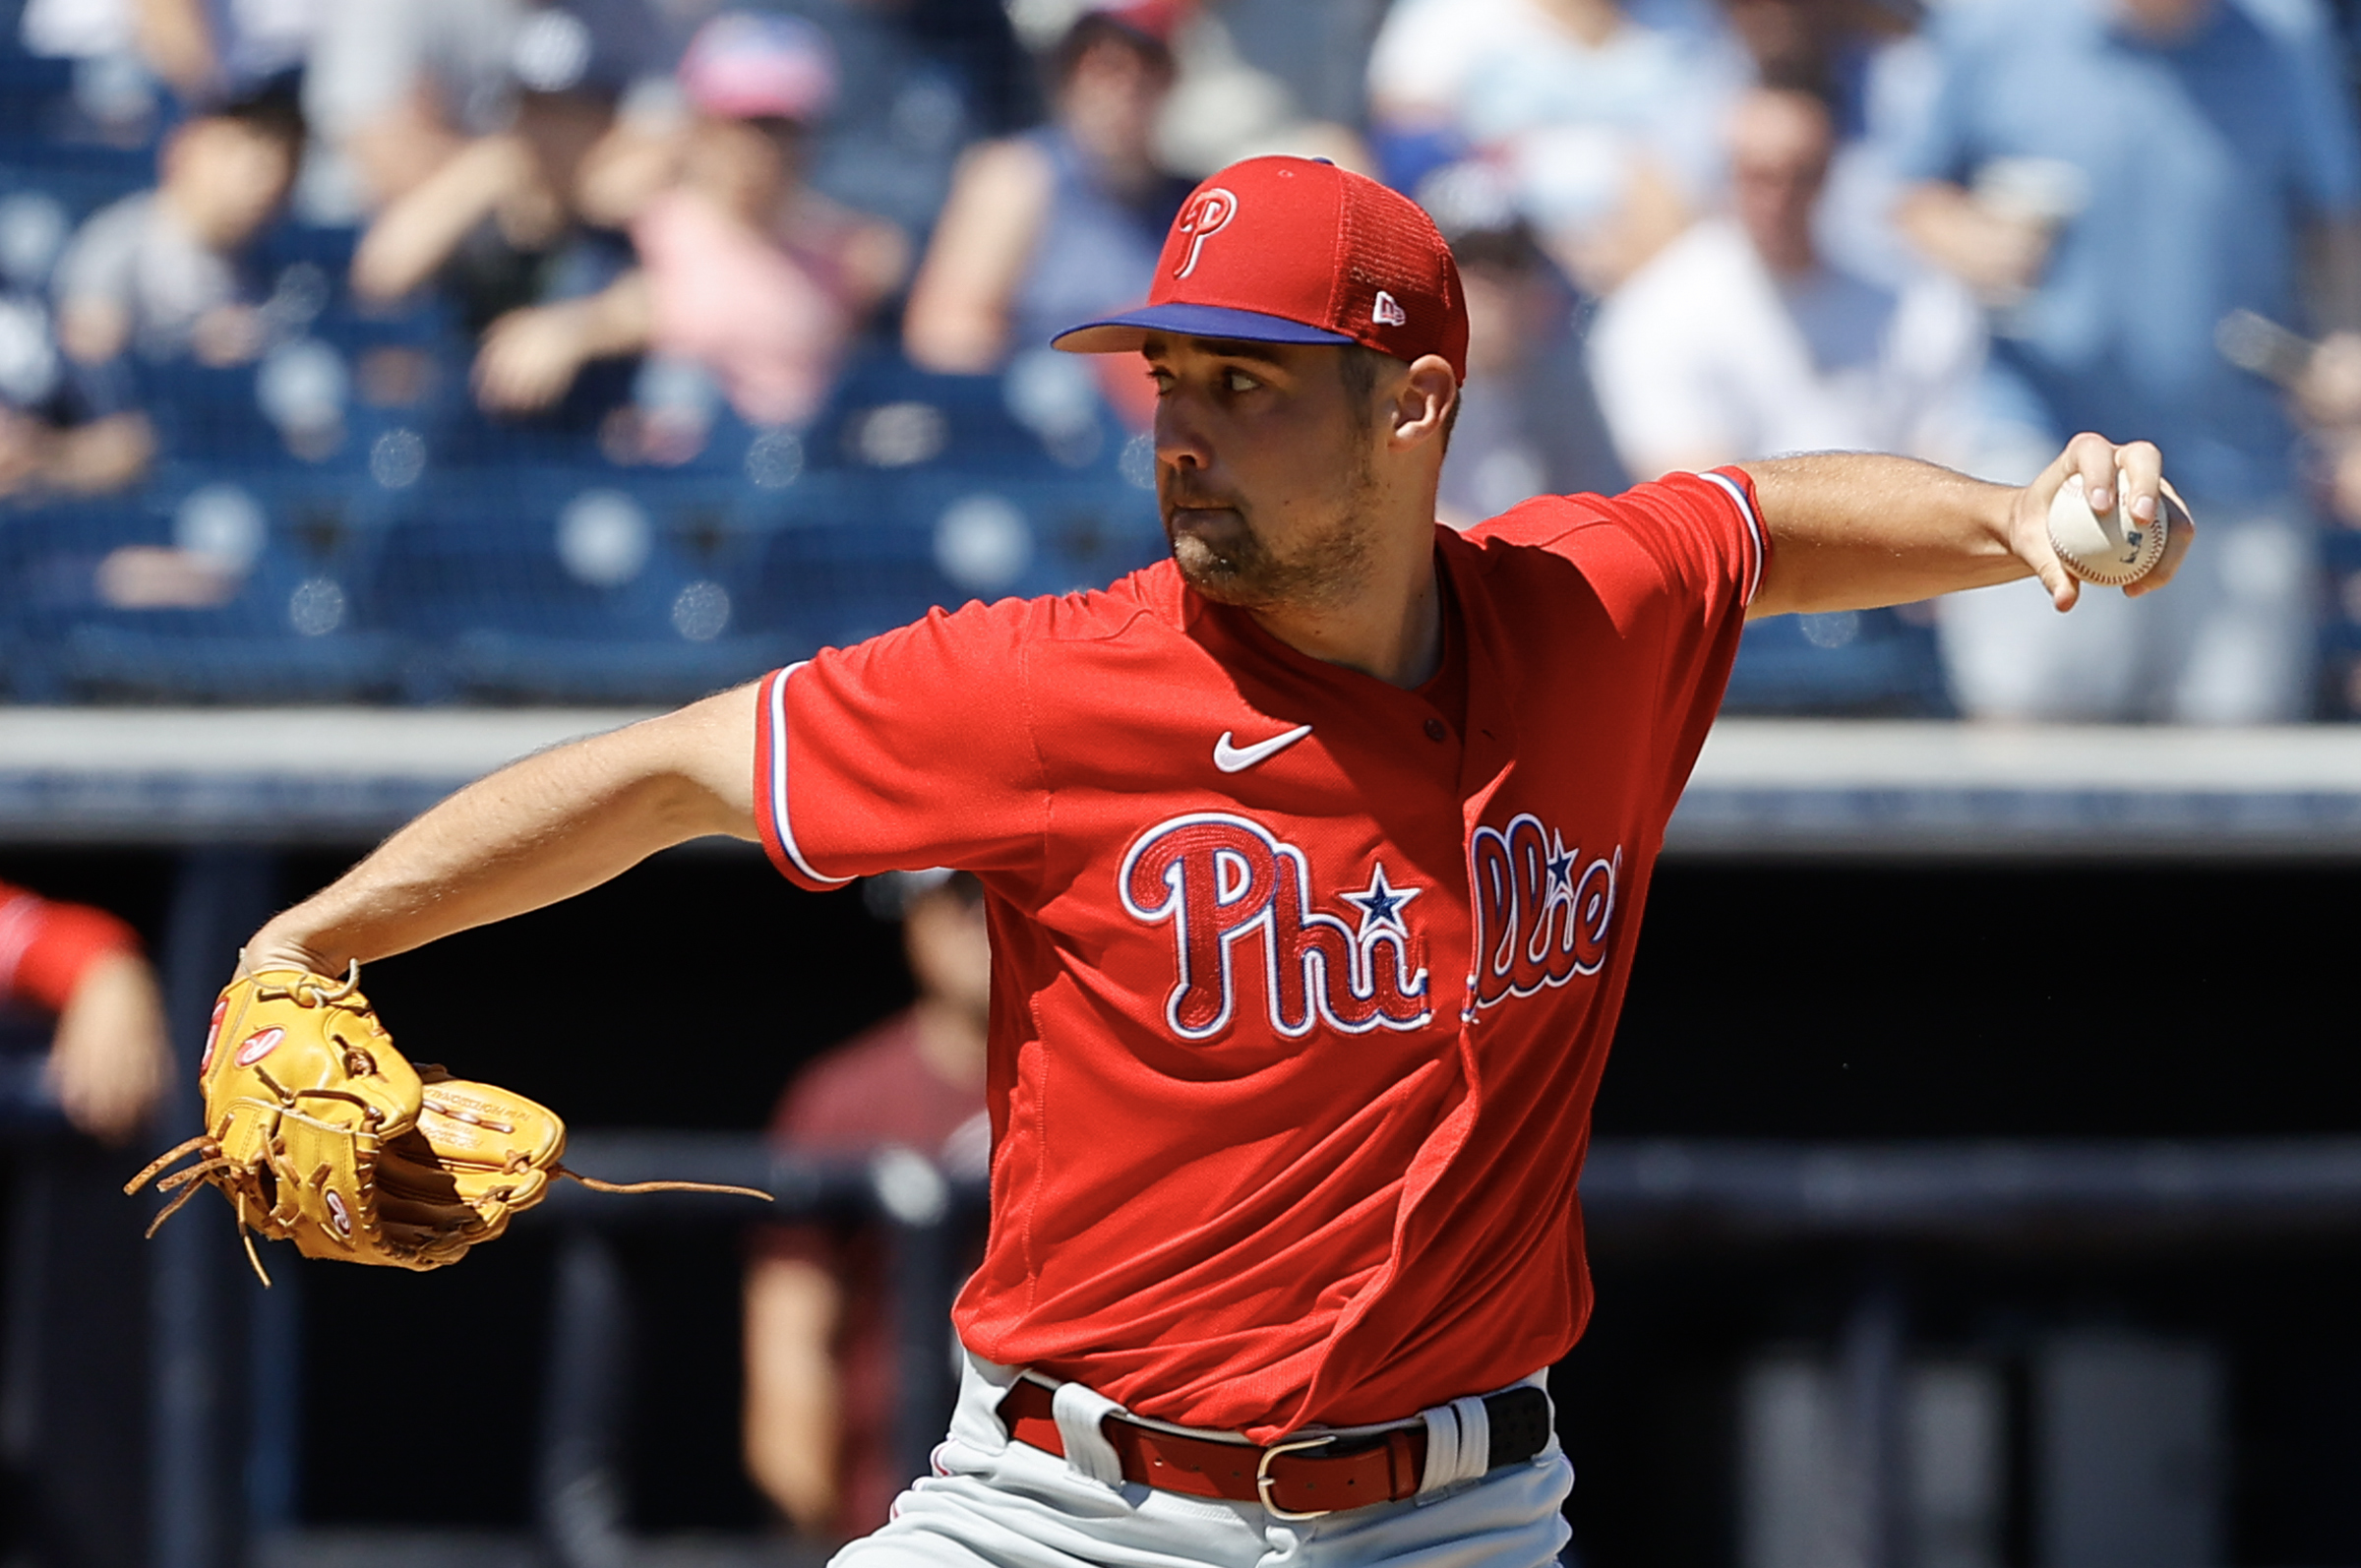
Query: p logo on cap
1307, 252
1207, 213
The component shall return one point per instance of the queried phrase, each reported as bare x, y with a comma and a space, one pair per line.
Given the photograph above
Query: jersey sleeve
910, 751
1675, 563
1699, 531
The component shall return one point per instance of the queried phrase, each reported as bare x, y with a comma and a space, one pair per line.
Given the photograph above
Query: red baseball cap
1291, 250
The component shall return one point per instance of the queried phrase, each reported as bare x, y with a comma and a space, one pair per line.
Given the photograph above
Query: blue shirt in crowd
2201, 161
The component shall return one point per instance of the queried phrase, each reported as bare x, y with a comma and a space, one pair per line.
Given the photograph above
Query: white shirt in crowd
138, 257
1703, 357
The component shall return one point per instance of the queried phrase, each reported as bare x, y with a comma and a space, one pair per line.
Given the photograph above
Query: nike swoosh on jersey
1231, 758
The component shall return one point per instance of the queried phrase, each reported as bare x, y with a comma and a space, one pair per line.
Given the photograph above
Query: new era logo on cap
1295, 250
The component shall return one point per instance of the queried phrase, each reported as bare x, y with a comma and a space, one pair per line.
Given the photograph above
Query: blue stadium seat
29, 88
1042, 415
305, 416
206, 412
78, 191
838, 579
45, 114
566, 434
1852, 662
549, 585
860, 554
1031, 532
213, 594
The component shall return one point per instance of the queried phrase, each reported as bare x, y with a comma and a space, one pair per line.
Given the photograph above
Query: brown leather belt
1298, 1478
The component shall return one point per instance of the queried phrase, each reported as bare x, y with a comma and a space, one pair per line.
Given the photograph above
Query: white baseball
2112, 550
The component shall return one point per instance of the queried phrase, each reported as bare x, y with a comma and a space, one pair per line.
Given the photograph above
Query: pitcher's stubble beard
1224, 557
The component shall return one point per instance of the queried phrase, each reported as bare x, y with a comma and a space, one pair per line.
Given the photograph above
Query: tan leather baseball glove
319, 1132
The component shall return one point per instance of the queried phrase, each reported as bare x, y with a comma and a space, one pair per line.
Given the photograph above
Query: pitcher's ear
1423, 405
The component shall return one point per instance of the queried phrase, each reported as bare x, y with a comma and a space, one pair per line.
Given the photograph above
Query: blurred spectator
1606, 125
395, 88
745, 273
207, 52
976, 43
2115, 178
1824, 47
1528, 423
919, 81
1742, 340
204, 51
57, 447
61, 431
1257, 76
162, 271
819, 1324
1867, 62
916, 81
109, 1061
1060, 223
498, 225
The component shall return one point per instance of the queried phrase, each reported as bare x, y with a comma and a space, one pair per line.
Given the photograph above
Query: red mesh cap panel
1398, 288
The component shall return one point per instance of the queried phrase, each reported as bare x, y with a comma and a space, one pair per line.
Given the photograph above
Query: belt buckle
1263, 1480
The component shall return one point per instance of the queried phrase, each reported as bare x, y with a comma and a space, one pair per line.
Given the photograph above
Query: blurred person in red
821, 1391
164, 270
745, 273
1065, 221
108, 1060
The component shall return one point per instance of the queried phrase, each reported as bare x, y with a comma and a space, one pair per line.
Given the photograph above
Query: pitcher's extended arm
1856, 530
536, 832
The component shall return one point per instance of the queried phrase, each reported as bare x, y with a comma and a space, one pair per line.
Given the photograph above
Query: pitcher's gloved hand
319, 1132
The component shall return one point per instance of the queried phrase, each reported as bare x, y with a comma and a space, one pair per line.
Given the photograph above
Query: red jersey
45, 948
1300, 994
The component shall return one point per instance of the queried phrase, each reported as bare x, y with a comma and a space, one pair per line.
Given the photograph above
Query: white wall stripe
778, 776
1754, 530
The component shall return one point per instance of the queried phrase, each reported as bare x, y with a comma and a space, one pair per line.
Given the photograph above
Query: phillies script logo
1222, 880
1539, 922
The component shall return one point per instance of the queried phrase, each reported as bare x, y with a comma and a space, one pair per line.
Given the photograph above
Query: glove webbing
190, 1179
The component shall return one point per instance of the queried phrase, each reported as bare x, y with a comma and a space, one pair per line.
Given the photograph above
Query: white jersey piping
777, 699
1754, 531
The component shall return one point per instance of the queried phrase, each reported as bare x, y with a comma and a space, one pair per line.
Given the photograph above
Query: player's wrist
280, 946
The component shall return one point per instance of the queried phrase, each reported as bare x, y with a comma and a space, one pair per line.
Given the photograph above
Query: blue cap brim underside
1117, 335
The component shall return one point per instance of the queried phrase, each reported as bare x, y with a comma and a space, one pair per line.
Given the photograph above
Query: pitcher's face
1266, 471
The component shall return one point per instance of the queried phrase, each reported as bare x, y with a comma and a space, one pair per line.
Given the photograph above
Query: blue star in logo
1380, 904
1560, 869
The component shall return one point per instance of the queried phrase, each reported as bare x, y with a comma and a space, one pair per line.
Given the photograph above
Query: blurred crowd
1691, 231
